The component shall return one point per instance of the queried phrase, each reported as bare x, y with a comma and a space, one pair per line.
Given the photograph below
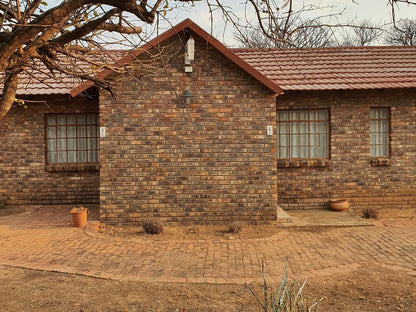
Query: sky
352, 10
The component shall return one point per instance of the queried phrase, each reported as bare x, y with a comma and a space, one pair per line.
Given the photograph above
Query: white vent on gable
189, 51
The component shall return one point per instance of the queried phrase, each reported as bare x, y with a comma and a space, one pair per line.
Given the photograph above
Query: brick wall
23, 175
207, 162
349, 173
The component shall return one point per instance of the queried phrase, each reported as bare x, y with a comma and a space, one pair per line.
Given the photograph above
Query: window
71, 138
303, 133
379, 132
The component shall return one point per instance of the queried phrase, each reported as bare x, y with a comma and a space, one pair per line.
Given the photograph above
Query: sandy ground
369, 288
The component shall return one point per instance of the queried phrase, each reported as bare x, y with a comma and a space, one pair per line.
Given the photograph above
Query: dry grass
370, 213
394, 213
152, 227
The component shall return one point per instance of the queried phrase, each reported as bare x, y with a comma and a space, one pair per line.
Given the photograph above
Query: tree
363, 34
288, 33
34, 32
403, 33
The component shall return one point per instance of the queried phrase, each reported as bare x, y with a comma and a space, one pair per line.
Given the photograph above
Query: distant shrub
152, 227
370, 213
233, 228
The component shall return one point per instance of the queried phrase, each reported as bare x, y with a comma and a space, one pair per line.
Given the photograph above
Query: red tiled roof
186, 24
340, 68
42, 82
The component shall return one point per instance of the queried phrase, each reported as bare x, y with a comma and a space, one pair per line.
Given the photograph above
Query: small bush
152, 227
233, 228
288, 296
370, 213
2, 202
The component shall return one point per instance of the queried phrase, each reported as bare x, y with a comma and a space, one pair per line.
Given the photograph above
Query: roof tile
336, 68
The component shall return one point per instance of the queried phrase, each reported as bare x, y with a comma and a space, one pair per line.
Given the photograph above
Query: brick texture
24, 178
350, 172
207, 162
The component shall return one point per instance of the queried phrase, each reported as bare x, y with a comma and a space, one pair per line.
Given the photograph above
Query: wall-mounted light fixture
189, 51
188, 97
189, 54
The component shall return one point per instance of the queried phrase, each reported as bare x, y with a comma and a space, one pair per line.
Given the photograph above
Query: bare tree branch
403, 33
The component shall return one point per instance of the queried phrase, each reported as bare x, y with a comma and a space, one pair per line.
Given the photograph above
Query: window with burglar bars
303, 133
72, 138
379, 131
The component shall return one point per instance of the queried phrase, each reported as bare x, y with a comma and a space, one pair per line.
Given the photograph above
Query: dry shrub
152, 227
2, 202
233, 228
370, 213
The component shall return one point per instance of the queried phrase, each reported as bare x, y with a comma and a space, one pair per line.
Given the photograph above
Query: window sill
297, 163
72, 167
380, 161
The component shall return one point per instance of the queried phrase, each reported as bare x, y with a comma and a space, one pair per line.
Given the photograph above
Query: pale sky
376, 10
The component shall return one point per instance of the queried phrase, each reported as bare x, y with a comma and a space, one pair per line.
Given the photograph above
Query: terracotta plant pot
339, 204
79, 216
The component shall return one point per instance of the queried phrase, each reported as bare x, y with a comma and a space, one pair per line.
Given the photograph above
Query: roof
190, 25
41, 81
341, 68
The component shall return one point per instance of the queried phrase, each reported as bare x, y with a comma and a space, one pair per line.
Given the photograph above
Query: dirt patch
387, 214
383, 217
397, 213
205, 232
208, 232
8, 210
370, 288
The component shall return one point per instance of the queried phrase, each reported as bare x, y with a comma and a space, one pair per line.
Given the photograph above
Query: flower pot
79, 216
339, 204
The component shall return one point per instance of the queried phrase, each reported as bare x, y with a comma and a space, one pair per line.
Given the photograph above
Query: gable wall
207, 162
24, 178
349, 173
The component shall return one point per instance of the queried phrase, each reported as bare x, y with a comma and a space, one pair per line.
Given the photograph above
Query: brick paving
42, 238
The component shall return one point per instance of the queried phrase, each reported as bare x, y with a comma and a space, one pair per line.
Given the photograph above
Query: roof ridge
187, 23
324, 48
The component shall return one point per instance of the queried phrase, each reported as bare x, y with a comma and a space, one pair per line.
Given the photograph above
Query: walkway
43, 239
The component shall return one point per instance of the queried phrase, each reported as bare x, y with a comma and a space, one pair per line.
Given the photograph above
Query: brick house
225, 135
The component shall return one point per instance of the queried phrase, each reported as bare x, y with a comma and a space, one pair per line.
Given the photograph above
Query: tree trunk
9, 92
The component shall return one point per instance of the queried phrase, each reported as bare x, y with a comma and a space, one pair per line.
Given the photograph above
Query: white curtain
72, 138
302, 133
379, 132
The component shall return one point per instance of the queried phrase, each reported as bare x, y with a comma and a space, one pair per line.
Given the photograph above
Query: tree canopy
34, 33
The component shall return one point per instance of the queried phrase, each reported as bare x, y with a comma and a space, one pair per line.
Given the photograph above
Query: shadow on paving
324, 218
49, 216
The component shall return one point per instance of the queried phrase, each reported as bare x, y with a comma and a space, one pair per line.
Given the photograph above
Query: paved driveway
43, 238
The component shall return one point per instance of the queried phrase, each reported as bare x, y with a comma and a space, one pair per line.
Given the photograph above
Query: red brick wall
207, 162
349, 172
23, 175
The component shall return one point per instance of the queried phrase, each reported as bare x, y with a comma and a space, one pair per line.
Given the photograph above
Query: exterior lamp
187, 97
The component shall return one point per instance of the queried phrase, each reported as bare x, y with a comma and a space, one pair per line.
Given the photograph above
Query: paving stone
52, 244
